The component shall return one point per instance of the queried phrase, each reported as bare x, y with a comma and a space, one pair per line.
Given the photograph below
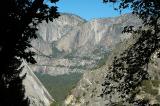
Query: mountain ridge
63, 40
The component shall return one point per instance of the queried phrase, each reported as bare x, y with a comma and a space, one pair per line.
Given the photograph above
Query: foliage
56, 52
156, 83
54, 104
158, 98
102, 61
59, 86
18, 26
148, 88
130, 69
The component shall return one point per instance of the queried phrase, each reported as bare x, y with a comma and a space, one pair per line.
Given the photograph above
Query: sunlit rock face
53, 31
71, 44
35, 91
97, 33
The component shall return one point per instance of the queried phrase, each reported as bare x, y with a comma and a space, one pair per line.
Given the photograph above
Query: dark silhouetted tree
18, 22
129, 70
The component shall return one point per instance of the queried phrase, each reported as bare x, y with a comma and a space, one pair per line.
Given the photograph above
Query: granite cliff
71, 44
35, 90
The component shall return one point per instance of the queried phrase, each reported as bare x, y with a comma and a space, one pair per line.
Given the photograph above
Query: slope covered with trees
88, 90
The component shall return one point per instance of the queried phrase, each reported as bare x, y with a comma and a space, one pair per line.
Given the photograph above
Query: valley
70, 46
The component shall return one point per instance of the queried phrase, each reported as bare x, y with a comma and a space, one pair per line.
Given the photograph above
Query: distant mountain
71, 44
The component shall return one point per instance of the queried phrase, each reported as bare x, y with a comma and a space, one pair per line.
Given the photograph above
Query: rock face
36, 92
88, 90
71, 44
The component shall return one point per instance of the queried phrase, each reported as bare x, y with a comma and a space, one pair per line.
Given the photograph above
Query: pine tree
129, 70
18, 21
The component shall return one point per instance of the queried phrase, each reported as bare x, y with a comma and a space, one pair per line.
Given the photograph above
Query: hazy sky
88, 9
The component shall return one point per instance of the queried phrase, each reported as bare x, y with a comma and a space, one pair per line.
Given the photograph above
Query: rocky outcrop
37, 93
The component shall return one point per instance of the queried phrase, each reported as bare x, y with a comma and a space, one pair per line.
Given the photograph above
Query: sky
88, 9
